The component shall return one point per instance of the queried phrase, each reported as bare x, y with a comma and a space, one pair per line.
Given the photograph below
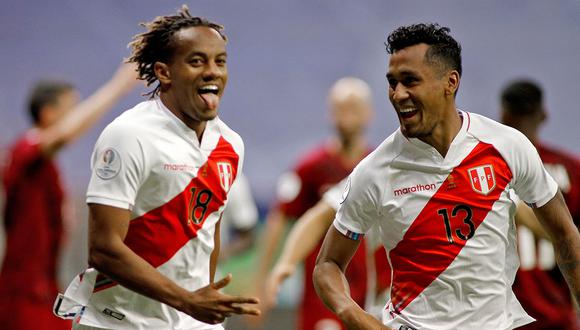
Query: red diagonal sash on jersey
158, 234
425, 250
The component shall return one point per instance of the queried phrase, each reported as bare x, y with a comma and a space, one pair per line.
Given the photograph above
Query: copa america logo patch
108, 165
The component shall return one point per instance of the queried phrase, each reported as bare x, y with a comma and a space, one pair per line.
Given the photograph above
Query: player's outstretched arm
89, 111
302, 240
557, 221
108, 253
272, 234
332, 286
525, 216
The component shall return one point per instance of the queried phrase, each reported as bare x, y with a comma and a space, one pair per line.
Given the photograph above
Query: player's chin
209, 114
204, 114
412, 133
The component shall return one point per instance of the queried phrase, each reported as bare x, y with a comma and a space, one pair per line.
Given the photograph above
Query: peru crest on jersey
482, 179
226, 175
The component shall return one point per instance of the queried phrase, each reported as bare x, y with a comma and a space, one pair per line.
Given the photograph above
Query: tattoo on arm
567, 251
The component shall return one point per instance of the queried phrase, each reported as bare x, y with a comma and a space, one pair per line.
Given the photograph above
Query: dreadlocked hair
155, 45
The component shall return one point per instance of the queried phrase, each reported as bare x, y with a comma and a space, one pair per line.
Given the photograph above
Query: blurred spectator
34, 197
539, 285
301, 188
307, 234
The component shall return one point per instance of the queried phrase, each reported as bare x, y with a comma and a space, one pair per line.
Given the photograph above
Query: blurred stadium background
283, 57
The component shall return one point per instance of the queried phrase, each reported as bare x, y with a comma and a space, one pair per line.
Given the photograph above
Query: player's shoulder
227, 132
380, 158
386, 151
134, 126
143, 116
492, 132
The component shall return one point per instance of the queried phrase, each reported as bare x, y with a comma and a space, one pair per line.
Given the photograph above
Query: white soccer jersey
151, 163
447, 223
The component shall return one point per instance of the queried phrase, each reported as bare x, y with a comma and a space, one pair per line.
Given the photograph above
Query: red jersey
319, 170
33, 224
543, 292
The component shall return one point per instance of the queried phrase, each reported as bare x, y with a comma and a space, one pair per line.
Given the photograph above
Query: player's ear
452, 82
543, 115
162, 73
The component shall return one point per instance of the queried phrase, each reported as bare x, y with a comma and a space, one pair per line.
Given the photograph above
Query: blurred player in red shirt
33, 217
307, 234
539, 285
303, 187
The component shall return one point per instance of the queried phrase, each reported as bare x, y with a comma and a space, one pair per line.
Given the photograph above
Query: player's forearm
269, 239
567, 250
525, 216
557, 221
306, 234
332, 287
90, 110
122, 265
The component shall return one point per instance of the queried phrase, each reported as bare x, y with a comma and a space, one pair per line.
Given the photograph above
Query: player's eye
196, 61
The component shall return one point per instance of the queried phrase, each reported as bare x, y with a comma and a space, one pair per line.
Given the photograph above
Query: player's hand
126, 78
277, 276
211, 306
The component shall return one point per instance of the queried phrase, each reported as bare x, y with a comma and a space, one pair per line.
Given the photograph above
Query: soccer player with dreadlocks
161, 174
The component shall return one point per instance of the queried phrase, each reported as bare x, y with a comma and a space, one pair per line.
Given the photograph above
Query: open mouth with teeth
408, 113
209, 94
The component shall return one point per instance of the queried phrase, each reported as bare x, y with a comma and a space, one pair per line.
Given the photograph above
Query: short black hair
522, 97
444, 48
43, 93
155, 45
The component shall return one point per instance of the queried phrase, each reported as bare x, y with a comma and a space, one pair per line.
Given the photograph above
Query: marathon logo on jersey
226, 175
179, 167
416, 188
482, 179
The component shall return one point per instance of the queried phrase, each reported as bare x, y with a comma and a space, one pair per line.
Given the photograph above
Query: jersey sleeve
358, 210
532, 183
117, 168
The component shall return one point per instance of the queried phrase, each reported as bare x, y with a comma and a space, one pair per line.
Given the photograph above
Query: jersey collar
427, 149
210, 134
